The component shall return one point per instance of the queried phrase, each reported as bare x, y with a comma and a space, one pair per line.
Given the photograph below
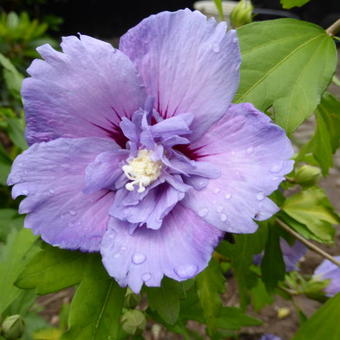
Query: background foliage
287, 67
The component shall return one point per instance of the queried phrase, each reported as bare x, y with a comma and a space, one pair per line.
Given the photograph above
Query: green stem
219, 6
308, 244
334, 28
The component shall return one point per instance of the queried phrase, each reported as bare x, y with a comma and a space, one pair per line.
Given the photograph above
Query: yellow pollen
141, 170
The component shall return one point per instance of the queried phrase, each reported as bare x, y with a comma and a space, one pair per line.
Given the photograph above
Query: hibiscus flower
138, 153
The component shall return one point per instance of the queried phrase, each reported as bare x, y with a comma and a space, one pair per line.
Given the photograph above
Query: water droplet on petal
227, 196
223, 217
217, 190
146, 277
203, 212
122, 248
250, 150
73, 212
219, 209
186, 271
112, 235
138, 258
16, 179
51, 191
276, 167
216, 48
237, 67
235, 40
116, 255
260, 196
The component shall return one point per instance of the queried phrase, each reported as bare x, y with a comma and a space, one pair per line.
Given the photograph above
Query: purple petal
189, 64
270, 337
80, 93
179, 250
329, 271
51, 175
292, 254
151, 210
253, 156
172, 126
104, 171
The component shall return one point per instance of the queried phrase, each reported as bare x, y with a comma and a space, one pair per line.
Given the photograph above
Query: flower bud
133, 321
131, 299
242, 13
13, 327
307, 175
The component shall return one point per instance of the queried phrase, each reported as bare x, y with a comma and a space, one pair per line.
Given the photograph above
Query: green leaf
293, 3
241, 256
260, 296
233, 318
326, 139
47, 334
53, 269
210, 284
34, 322
5, 165
324, 323
12, 77
312, 208
16, 253
9, 220
15, 131
286, 64
165, 300
96, 307
272, 265
22, 304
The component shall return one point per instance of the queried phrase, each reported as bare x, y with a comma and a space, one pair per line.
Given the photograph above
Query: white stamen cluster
141, 170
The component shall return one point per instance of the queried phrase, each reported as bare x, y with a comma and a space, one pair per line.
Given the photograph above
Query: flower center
141, 170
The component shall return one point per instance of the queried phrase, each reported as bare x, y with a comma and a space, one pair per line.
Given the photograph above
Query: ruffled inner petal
151, 210
104, 171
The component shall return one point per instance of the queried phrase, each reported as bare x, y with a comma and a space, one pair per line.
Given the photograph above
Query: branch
334, 28
309, 244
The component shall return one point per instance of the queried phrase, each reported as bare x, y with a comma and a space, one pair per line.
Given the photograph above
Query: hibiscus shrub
157, 173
